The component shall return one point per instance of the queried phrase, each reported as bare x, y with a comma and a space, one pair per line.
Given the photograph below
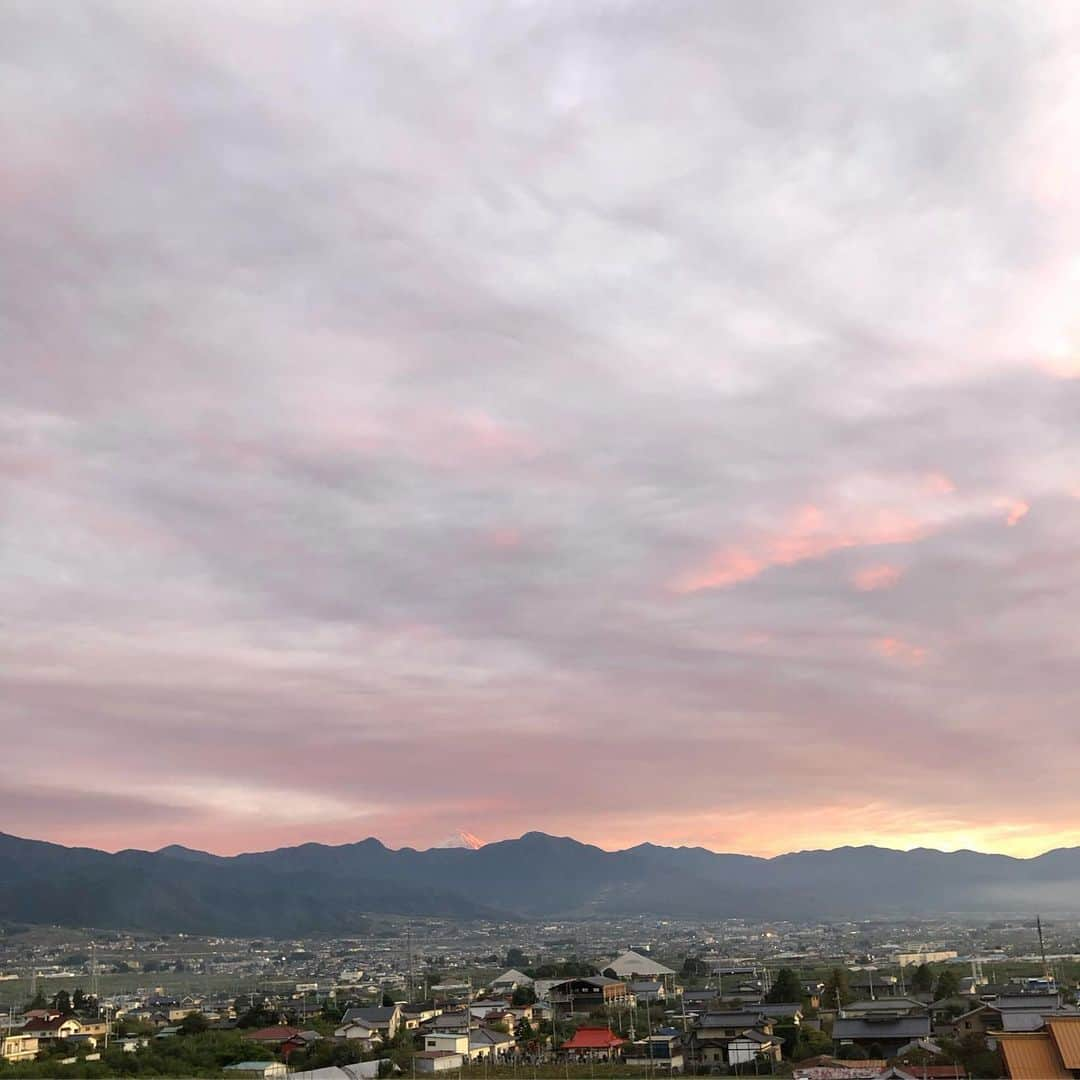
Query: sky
635, 421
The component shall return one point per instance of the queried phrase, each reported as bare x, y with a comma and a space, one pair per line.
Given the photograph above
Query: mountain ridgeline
315, 887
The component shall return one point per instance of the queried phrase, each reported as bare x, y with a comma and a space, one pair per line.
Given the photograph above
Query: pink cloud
872, 578
894, 648
809, 535
1016, 509
504, 539
938, 483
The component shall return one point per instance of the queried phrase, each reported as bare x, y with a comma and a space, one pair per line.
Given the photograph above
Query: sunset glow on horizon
635, 422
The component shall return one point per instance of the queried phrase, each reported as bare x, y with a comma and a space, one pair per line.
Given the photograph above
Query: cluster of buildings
635, 1011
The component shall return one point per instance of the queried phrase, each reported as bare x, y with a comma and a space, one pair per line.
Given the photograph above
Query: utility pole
1042, 950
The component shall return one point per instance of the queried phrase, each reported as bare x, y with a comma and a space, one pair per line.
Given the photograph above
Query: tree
515, 958
837, 989
62, 1003
523, 995
788, 1032
194, 1024
325, 1054
972, 1054
852, 1052
948, 984
694, 968
388, 1000
810, 1043
37, 1001
78, 1000
332, 1012
922, 981
786, 987
253, 1014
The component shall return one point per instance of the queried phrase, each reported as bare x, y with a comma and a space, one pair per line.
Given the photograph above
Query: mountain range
315, 887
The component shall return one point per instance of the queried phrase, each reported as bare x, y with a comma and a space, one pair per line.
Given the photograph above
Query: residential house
451, 1042
890, 1006
880, 1036
873, 984
586, 994
435, 1061
478, 1043
1047, 1054
485, 1042
449, 1021
782, 1012
699, 1000
18, 1046
715, 1031
58, 1027
661, 1052
384, 1019
39, 1014
751, 1045
272, 1036
357, 1032
510, 980
300, 1041
412, 1016
1026, 1013
491, 1017
647, 991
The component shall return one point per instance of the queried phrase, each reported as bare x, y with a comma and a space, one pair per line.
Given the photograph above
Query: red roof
272, 1034
593, 1038
54, 1024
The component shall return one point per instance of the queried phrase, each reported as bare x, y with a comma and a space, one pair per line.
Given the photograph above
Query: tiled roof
1032, 1057
900, 1027
632, 963
1065, 1031
730, 1019
593, 1038
272, 1034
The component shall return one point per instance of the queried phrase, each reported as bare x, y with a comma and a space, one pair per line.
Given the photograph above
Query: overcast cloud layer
639, 421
